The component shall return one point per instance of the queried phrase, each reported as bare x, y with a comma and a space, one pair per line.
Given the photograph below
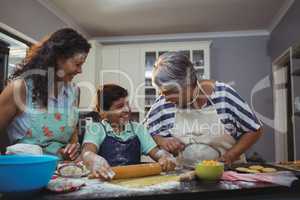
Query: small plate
72, 170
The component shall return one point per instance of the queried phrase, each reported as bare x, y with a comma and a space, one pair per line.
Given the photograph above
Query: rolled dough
145, 181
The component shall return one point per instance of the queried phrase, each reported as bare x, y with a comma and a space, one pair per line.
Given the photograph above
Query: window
17, 49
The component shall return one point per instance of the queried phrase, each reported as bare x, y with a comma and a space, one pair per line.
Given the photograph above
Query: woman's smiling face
70, 67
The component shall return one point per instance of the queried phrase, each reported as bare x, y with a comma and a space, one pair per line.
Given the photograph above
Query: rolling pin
135, 171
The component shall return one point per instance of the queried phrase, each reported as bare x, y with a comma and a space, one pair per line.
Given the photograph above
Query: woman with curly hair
39, 105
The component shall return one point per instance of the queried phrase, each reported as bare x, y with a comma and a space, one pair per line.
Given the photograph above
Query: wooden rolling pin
135, 171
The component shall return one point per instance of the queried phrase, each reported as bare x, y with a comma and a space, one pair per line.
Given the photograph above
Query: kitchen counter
195, 189
186, 190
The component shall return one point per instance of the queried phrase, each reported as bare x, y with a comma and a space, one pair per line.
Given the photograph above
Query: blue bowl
20, 173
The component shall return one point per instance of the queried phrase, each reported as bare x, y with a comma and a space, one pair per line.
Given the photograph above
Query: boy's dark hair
107, 94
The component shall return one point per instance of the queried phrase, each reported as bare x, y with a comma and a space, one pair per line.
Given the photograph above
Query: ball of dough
256, 167
71, 171
268, 170
253, 171
242, 169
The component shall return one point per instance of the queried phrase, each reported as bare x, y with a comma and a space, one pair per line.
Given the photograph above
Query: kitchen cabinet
286, 87
88, 80
121, 65
295, 100
131, 74
197, 52
109, 70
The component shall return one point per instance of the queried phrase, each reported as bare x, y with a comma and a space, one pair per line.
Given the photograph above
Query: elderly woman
203, 119
39, 105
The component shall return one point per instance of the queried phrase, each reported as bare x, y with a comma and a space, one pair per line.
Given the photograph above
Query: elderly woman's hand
170, 144
166, 160
229, 157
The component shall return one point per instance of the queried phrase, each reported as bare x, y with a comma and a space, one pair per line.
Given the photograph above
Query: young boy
116, 140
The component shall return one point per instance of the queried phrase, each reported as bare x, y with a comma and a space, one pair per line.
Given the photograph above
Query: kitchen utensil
209, 172
25, 172
134, 171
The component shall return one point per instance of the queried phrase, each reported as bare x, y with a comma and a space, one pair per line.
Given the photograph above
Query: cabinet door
86, 81
109, 72
130, 73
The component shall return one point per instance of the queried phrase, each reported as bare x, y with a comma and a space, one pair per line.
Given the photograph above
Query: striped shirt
234, 113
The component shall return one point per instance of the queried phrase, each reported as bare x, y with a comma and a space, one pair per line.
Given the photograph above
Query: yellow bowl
209, 172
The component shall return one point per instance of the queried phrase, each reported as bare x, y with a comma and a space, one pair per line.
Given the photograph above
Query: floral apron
52, 128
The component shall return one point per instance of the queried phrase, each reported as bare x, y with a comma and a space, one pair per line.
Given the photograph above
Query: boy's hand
98, 166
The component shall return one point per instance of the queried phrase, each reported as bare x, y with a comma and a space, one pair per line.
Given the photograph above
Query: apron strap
105, 130
208, 97
131, 126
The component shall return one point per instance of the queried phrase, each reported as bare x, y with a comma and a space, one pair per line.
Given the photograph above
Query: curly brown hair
62, 44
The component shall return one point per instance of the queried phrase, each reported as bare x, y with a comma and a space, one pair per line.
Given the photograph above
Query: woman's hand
170, 144
98, 166
229, 157
70, 152
242, 145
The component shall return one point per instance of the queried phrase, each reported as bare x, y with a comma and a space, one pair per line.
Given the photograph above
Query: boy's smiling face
119, 111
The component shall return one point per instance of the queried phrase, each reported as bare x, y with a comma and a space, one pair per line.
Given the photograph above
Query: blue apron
118, 152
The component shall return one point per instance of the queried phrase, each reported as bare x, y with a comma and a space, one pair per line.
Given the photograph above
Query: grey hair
173, 69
